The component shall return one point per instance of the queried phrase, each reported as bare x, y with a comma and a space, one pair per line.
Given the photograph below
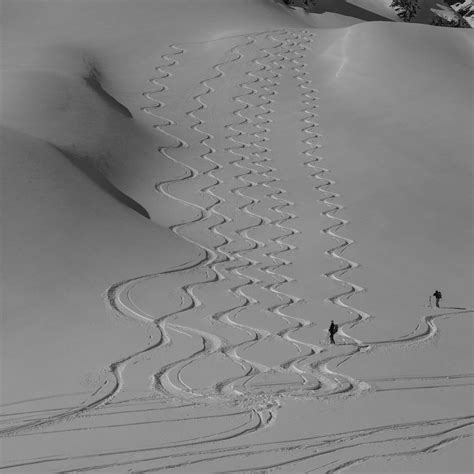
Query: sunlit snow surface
292, 175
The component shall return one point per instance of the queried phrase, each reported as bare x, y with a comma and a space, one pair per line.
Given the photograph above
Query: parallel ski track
252, 368
238, 150
245, 162
218, 346
214, 258
299, 450
328, 384
287, 300
275, 193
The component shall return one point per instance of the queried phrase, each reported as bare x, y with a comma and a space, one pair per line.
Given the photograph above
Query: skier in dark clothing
437, 295
333, 328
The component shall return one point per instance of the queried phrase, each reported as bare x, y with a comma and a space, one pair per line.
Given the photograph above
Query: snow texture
191, 192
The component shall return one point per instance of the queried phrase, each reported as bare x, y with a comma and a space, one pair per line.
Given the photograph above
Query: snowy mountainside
431, 12
450, 13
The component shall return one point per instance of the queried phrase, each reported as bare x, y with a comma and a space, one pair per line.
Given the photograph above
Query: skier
333, 328
437, 295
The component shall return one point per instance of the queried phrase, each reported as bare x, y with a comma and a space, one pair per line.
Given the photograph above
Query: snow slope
291, 175
337, 13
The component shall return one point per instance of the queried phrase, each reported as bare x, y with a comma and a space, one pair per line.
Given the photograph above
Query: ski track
246, 266
303, 449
